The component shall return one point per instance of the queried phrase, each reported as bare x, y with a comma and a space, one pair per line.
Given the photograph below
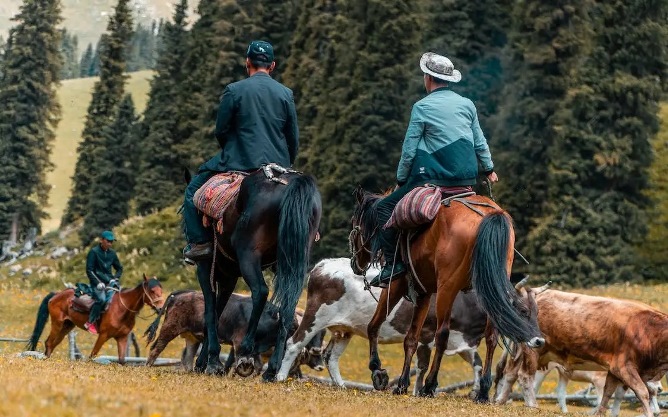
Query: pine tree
142, 49
472, 34
107, 94
29, 113
94, 68
545, 45
602, 151
86, 62
69, 49
160, 179
113, 184
366, 112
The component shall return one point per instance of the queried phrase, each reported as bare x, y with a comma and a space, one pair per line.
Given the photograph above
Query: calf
184, 316
336, 300
627, 340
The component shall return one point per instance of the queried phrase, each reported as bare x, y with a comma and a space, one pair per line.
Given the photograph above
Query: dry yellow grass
30, 386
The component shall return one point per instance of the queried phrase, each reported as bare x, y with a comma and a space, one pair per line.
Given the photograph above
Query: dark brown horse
460, 249
272, 224
117, 322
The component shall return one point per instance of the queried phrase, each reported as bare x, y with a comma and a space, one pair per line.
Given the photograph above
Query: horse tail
298, 223
489, 275
42, 318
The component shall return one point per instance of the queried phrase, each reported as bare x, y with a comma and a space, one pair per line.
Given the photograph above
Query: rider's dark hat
260, 51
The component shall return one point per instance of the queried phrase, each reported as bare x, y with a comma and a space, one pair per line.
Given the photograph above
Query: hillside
74, 97
88, 19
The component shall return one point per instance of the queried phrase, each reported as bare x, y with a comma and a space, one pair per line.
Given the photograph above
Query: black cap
260, 51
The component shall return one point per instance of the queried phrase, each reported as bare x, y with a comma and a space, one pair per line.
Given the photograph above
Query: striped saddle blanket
216, 196
420, 206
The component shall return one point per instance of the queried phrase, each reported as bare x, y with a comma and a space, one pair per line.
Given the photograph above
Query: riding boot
392, 268
95, 312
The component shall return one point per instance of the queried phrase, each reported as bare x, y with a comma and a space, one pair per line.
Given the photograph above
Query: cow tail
40, 323
150, 333
489, 276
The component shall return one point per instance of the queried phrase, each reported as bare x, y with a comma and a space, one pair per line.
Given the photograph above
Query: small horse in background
469, 243
273, 222
117, 322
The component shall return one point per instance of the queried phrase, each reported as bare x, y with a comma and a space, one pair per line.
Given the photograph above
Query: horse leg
491, 341
251, 271
101, 339
122, 343
200, 363
338, 344
286, 323
213, 367
411, 340
397, 289
57, 334
423, 357
444, 300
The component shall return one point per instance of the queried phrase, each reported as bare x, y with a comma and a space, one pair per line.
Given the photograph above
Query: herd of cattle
585, 336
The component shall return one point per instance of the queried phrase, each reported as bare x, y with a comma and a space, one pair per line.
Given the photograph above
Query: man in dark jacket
256, 125
99, 262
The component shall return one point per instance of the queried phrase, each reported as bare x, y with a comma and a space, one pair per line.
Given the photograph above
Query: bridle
356, 233
151, 302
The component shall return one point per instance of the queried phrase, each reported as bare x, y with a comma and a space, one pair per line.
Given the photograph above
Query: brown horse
470, 243
117, 322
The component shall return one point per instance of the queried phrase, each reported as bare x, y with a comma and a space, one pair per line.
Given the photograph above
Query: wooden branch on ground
13, 339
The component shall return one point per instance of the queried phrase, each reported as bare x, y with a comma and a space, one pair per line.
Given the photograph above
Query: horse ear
145, 278
359, 193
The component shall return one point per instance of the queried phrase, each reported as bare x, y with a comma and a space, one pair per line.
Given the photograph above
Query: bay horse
469, 244
273, 223
117, 322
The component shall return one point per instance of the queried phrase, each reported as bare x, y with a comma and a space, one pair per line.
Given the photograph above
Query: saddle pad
83, 304
420, 206
216, 195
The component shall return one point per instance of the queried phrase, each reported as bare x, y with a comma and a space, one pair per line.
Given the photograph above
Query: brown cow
628, 339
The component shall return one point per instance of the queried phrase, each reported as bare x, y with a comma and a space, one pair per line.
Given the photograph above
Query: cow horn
543, 288
522, 283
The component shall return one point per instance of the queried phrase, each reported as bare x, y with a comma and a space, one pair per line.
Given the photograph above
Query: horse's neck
132, 299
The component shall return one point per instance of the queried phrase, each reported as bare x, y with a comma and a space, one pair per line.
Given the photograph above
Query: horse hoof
245, 367
380, 379
479, 397
427, 391
269, 376
400, 390
214, 370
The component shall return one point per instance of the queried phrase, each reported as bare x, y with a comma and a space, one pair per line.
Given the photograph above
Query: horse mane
366, 214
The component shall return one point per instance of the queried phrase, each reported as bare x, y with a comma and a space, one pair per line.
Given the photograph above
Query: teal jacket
444, 142
98, 266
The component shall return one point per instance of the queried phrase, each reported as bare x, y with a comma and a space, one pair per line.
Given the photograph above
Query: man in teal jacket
101, 258
442, 146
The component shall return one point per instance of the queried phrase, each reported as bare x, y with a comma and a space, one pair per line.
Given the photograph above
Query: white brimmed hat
439, 67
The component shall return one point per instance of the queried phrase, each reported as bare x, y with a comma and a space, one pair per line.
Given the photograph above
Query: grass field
58, 387
74, 96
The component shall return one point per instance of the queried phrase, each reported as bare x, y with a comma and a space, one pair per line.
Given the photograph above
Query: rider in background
256, 125
99, 262
442, 147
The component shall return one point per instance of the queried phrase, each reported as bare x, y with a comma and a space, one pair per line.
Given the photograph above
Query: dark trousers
389, 237
101, 298
192, 221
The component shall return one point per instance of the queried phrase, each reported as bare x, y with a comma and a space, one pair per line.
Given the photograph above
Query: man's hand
493, 177
101, 287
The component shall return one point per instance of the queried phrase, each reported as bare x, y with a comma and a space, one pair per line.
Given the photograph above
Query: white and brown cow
626, 339
336, 300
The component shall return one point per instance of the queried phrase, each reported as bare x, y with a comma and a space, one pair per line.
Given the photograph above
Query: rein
151, 303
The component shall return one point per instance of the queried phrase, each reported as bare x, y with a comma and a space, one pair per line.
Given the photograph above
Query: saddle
221, 191
83, 301
420, 206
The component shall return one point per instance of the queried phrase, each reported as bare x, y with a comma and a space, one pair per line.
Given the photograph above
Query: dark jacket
256, 125
98, 266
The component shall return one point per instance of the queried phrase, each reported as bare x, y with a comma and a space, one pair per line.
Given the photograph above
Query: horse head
363, 237
153, 293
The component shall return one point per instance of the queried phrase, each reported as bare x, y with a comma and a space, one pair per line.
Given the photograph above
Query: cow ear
145, 278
